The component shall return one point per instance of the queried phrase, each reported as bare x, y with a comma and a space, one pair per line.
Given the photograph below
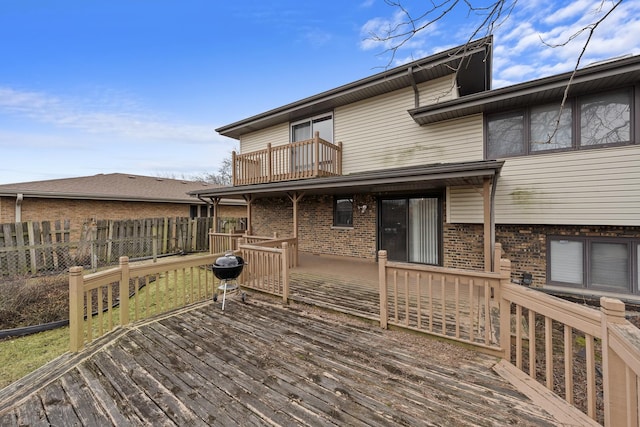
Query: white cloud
376, 32
520, 52
115, 117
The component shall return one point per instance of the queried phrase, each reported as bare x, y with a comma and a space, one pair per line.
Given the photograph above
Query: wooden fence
32, 248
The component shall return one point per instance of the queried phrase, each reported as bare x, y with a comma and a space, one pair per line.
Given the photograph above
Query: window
505, 136
305, 129
342, 212
605, 118
566, 262
302, 155
546, 131
583, 122
595, 263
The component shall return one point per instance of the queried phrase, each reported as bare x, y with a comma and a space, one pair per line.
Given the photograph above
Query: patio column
249, 199
488, 232
295, 198
214, 202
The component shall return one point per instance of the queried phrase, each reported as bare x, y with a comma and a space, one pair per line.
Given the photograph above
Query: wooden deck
260, 363
347, 286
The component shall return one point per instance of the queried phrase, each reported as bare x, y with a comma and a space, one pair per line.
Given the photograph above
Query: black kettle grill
227, 268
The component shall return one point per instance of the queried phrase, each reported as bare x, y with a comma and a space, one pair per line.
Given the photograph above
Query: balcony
311, 158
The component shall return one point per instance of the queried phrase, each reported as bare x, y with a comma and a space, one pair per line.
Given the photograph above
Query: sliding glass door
410, 229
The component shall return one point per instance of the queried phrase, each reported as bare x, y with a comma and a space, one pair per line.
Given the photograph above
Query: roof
588, 80
114, 186
473, 76
387, 181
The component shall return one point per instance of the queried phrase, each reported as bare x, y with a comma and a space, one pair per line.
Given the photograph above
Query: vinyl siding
589, 187
378, 133
254, 141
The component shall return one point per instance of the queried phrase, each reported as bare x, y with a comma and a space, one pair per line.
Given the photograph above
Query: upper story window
594, 120
305, 129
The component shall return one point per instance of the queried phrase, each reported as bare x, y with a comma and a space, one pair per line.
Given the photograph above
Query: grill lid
229, 260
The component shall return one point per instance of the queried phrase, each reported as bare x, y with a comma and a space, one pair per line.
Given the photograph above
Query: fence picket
38, 247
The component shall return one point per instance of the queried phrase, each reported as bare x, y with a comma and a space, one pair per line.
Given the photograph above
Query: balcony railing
298, 160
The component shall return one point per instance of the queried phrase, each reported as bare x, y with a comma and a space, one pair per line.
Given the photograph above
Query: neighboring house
434, 167
107, 196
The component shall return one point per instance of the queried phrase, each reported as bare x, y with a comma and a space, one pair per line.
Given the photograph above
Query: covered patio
428, 181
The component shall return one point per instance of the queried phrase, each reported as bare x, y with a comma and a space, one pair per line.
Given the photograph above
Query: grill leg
224, 294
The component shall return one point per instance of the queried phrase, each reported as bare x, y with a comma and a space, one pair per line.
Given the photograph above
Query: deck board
264, 364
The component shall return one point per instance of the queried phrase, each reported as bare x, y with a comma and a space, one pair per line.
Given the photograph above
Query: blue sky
138, 86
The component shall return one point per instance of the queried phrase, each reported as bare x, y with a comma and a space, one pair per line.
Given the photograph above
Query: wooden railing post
231, 246
613, 368
269, 163
382, 280
505, 308
497, 256
339, 161
233, 168
285, 272
316, 153
76, 309
124, 290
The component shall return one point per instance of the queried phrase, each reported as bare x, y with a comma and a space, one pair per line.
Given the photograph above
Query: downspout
416, 92
19, 199
492, 218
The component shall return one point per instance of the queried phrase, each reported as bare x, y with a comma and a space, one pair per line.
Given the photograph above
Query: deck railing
311, 158
589, 357
96, 305
99, 302
451, 303
223, 242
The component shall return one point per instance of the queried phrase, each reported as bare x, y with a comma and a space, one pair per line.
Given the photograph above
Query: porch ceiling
383, 182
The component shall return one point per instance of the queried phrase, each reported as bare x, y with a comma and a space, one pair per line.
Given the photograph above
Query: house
106, 196
428, 162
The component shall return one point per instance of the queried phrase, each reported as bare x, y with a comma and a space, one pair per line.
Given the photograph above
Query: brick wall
316, 233
80, 211
232, 211
524, 245
271, 215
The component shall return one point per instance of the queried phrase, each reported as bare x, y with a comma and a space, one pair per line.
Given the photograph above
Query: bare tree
223, 176
492, 16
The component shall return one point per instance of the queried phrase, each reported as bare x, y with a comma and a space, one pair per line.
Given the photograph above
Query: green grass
22, 355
